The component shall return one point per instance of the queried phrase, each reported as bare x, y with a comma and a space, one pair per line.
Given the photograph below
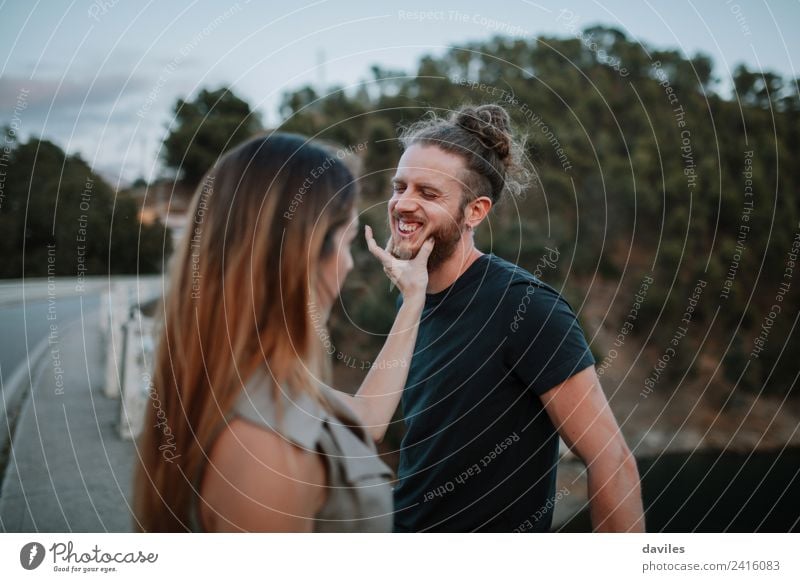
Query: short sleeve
545, 343
300, 420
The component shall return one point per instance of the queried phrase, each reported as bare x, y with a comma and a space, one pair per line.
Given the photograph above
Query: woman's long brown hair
239, 290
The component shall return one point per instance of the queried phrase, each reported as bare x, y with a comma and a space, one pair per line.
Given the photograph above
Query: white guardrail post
129, 350
115, 313
136, 373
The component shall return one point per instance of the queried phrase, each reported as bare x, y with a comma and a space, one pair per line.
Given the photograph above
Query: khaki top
359, 494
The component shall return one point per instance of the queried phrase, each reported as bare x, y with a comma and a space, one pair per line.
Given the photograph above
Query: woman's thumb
426, 250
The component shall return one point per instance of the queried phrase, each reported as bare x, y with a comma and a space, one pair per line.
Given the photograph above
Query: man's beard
445, 238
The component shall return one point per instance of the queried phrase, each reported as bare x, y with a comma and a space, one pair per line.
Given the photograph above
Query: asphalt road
29, 307
24, 326
63, 465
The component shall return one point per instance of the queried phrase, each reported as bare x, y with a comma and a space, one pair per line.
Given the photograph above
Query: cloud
57, 95
116, 120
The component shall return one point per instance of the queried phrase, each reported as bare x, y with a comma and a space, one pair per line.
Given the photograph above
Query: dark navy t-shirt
480, 451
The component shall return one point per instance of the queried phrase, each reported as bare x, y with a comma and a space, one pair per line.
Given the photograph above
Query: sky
100, 77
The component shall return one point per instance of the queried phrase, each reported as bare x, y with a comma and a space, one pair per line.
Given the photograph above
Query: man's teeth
407, 228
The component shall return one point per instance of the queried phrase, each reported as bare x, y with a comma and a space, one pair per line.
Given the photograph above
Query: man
501, 367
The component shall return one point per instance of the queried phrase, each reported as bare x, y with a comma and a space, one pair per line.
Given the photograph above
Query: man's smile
407, 228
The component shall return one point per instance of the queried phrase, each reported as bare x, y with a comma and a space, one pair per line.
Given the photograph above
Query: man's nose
403, 202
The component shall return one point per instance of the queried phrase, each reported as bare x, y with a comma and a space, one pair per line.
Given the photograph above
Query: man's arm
579, 410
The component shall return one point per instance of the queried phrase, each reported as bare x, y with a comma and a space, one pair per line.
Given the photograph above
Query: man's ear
477, 210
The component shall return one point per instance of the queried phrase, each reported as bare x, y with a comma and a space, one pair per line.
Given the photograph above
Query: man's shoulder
512, 280
522, 296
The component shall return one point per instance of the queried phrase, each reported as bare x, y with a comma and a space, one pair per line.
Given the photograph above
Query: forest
644, 168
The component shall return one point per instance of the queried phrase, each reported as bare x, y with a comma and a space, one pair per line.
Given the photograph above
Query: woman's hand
410, 276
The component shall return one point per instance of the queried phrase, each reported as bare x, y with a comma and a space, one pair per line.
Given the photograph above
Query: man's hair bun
490, 124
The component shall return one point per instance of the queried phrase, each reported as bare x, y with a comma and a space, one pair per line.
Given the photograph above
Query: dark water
715, 491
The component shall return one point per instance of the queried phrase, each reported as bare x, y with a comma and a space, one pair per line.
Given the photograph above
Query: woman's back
317, 460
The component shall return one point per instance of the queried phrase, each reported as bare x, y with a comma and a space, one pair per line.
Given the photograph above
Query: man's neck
449, 271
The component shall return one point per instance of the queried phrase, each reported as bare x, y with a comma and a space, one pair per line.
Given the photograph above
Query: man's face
427, 202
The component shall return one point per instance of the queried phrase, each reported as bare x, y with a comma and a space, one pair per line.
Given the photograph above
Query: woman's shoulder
293, 414
260, 481
266, 452
299, 416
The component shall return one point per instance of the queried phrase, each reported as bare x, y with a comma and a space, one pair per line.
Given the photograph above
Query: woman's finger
373, 247
425, 251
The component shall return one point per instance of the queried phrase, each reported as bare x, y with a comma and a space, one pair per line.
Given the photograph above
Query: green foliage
60, 218
653, 174
204, 129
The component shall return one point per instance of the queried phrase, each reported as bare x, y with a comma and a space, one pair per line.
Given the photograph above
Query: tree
204, 129
759, 88
60, 218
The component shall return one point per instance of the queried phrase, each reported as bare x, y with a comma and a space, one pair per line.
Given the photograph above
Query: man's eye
398, 188
428, 194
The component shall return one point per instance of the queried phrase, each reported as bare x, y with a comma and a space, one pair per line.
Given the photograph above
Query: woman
244, 433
